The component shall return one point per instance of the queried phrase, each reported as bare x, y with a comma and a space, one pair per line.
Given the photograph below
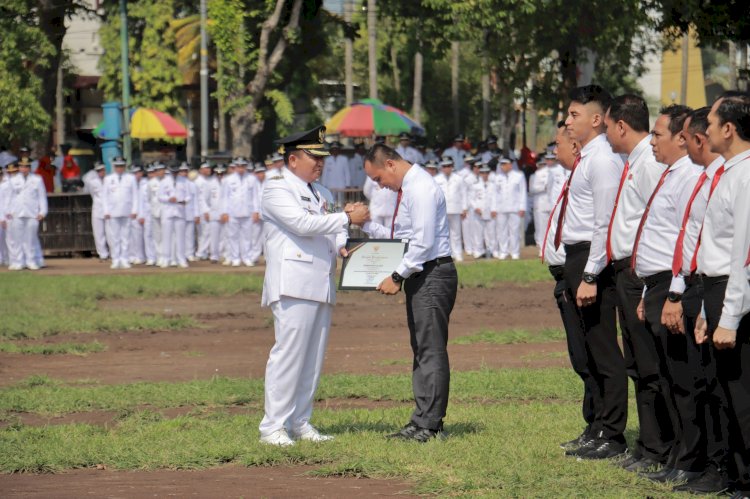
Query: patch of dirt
224, 481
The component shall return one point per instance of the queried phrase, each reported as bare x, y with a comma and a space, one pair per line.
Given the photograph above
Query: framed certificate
370, 261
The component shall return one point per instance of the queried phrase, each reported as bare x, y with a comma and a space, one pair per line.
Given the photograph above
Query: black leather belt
620, 265
557, 271
710, 281
438, 261
657, 278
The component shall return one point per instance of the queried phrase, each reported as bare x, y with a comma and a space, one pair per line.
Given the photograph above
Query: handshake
358, 213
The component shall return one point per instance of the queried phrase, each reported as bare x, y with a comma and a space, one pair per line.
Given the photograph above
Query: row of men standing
661, 237
158, 218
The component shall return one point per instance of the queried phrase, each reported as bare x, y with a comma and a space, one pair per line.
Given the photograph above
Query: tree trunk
244, 128
743, 77
455, 49
220, 114
532, 120
372, 19
59, 105
732, 65
51, 15
485, 99
396, 74
348, 51
416, 109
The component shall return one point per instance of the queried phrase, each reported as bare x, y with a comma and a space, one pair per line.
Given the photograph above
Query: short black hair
381, 152
699, 120
560, 124
591, 93
677, 115
631, 109
734, 108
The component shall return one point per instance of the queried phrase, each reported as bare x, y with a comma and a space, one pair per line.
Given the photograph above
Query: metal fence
67, 228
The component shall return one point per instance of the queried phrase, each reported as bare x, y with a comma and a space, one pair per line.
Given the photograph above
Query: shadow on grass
452, 430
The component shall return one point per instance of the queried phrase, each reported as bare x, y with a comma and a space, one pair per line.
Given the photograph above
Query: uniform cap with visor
310, 141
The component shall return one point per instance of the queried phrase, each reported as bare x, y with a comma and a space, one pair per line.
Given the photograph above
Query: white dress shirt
382, 201
556, 179
241, 195
421, 219
591, 198
553, 256
410, 154
454, 190
27, 196
662, 226
120, 198
643, 175
509, 194
336, 172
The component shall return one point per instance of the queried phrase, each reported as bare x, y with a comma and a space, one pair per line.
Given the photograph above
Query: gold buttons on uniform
299, 255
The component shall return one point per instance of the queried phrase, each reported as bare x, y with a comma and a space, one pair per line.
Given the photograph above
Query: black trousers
576, 343
430, 297
656, 434
605, 361
705, 423
733, 373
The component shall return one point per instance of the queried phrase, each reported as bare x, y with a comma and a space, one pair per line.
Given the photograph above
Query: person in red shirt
47, 170
70, 172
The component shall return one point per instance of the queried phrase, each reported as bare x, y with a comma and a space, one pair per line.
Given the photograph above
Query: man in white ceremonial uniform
26, 207
336, 172
204, 231
457, 153
540, 206
241, 195
407, 151
428, 276
480, 213
120, 200
454, 190
627, 121
653, 252
720, 254
174, 195
471, 227
357, 166
144, 216
256, 236
302, 241
492, 152
154, 186
382, 202
212, 218
192, 216
137, 248
93, 181
3, 223
508, 209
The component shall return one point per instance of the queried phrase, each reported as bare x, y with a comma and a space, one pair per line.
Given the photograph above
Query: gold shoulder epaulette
277, 177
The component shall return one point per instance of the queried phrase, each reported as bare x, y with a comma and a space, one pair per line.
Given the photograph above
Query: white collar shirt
643, 175
552, 256
556, 179
662, 226
421, 219
591, 198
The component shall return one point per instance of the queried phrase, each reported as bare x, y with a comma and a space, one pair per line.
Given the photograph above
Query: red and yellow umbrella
152, 124
370, 117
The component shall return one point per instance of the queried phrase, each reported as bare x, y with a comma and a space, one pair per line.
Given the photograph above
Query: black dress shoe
425, 435
607, 449
407, 432
643, 465
683, 476
576, 442
710, 482
660, 475
628, 461
586, 446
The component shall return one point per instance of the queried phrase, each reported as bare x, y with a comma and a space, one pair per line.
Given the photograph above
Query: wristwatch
590, 278
396, 277
674, 297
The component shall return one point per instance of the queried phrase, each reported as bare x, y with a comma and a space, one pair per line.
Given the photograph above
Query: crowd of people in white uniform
168, 217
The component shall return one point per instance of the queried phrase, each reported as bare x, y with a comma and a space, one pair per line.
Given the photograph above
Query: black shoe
576, 442
586, 446
740, 494
645, 464
425, 435
607, 449
407, 432
629, 461
682, 476
659, 476
710, 482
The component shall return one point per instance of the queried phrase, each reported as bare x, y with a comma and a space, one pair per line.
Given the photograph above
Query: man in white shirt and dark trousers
454, 191
429, 279
653, 252
628, 134
120, 202
705, 432
719, 262
509, 208
584, 216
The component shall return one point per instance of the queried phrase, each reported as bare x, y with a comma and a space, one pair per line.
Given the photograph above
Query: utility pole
127, 148
684, 76
372, 20
204, 84
348, 51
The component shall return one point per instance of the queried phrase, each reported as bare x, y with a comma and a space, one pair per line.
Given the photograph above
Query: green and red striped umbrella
370, 117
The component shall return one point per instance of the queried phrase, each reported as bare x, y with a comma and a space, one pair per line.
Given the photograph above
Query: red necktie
564, 206
614, 210
645, 216
549, 222
677, 259
395, 212
747, 262
714, 183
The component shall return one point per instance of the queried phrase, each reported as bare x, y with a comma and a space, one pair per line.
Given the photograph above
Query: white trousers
216, 229
118, 237
508, 226
98, 227
137, 249
489, 234
301, 330
540, 226
204, 239
467, 230
190, 238
149, 244
239, 233
476, 234
256, 241
4, 258
21, 239
157, 237
173, 239
454, 226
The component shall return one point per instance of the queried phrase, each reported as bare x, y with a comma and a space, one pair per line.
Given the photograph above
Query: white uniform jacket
240, 195
174, 187
120, 195
538, 183
95, 186
154, 184
214, 203
144, 205
479, 197
454, 190
336, 172
27, 196
301, 240
509, 194
202, 183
